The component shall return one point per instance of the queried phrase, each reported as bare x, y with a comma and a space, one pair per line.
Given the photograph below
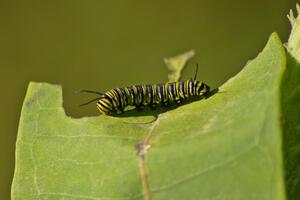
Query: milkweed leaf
225, 147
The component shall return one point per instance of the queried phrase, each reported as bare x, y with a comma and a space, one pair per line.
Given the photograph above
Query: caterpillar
115, 100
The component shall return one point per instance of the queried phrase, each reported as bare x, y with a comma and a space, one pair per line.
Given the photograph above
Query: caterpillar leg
179, 101
120, 110
140, 107
166, 104
153, 106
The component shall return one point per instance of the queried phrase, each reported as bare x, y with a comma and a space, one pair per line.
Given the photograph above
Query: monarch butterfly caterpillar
115, 100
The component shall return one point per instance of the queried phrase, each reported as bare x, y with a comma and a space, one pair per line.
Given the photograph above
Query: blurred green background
103, 44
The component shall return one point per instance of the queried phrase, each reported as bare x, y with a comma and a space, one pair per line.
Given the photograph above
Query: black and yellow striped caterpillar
115, 100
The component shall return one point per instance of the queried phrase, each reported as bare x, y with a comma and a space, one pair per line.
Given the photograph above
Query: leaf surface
225, 147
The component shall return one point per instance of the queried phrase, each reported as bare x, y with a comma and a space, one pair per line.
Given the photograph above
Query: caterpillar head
105, 105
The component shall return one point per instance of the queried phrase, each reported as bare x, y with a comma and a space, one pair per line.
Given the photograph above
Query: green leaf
291, 110
176, 64
225, 147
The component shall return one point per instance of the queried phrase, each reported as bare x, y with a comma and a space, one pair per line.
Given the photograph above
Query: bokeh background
103, 44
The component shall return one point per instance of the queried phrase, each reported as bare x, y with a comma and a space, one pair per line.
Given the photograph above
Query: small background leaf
176, 64
225, 147
293, 44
